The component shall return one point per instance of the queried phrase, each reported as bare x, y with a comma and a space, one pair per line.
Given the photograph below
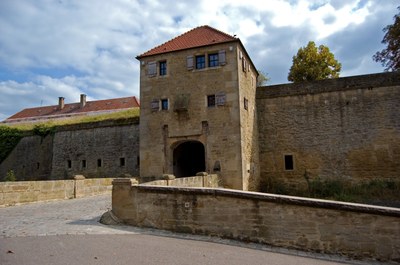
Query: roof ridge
219, 31
94, 105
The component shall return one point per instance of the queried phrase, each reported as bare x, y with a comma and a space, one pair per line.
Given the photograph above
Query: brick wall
356, 231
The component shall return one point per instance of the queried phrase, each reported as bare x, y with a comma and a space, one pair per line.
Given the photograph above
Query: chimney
60, 103
83, 100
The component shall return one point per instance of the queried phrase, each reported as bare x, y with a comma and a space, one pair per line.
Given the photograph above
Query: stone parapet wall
12, 193
207, 181
354, 230
370, 81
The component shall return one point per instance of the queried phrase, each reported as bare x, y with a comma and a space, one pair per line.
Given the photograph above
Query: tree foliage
314, 63
390, 57
262, 78
9, 138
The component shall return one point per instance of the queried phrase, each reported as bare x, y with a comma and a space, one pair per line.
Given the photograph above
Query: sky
64, 48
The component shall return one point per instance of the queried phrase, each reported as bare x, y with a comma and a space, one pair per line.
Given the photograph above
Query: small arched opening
189, 158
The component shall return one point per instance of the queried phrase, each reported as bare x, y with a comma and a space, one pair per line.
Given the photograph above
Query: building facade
198, 109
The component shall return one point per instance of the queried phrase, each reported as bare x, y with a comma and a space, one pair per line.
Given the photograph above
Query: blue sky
53, 48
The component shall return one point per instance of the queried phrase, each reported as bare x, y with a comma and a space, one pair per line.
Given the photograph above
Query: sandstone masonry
345, 128
95, 150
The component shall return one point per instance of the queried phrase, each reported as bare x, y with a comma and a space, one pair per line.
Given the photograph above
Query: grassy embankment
385, 192
11, 134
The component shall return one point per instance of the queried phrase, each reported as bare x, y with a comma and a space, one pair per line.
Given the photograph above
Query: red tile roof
107, 105
197, 37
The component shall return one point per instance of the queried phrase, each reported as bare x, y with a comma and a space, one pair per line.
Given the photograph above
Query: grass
11, 134
131, 113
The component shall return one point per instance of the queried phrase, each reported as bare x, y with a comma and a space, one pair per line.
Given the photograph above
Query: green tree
312, 63
262, 78
390, 57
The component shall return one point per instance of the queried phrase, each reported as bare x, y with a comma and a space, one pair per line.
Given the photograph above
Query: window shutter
152, 69
155, 105
189, 62
244, 64
222, 57
220, 98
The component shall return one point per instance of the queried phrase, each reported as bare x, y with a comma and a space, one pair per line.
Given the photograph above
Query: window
37, 165
83, 163
211, 101
213, 60
99, 163
122, 161
69, 164
289, 165
200, 62
163, 68
164, 104
246, 104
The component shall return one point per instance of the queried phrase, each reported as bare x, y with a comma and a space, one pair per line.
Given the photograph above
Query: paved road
68, 232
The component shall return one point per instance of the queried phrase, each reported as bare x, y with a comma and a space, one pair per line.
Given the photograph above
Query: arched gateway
189, 158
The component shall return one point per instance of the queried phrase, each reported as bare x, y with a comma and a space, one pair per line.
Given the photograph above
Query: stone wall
108, 150
248, 123
354, 230
346, 128
207, 181
96, 150
31, 159
217, 128
12, 193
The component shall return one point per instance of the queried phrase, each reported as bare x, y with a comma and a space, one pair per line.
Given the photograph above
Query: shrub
10, 176
9, 138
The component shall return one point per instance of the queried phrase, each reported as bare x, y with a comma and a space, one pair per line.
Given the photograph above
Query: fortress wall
102, 145
346, 128
30, 160
12, 193
354, 230
108, 151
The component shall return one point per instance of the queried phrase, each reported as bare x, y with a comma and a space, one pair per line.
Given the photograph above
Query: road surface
68, 232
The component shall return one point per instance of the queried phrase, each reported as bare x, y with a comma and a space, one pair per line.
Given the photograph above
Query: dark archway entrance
189, 158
